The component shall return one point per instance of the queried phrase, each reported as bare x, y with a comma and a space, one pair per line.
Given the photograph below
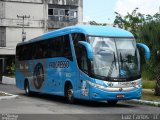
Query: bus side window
77, 37
67, 48
51, 48
25, 54
28, 52
43, 49
82, 59
34, 51
18, 53
58, 47
80, 51
37, 52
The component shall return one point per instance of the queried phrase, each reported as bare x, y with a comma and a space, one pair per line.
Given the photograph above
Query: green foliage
148, 84
130, 22
11, 69
95, 23
149, 95
148, 72
149, 34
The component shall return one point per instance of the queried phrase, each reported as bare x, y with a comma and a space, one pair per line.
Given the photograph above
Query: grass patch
149, 95
3, 94
148, 84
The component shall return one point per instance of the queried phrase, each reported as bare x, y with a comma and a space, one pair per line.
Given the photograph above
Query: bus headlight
138, 86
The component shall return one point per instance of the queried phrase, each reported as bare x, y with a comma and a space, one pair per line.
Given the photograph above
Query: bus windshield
115, 57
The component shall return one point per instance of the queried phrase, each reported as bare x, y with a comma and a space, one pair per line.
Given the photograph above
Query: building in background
43, 16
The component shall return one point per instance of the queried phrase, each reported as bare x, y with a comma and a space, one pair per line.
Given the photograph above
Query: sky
102, 11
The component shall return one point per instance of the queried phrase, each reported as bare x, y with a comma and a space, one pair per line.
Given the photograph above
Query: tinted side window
27, 51
22, 52
59, 43
77, 37
80, 51
18, 52
53, 47
59, 47
81, 55
67, 47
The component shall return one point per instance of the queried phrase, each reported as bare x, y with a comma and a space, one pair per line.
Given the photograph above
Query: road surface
50, 104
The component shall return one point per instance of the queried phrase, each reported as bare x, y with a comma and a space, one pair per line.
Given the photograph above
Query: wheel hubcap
27, 90
70, 94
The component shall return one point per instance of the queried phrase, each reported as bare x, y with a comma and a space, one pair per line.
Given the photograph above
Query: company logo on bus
38, 76
59, 64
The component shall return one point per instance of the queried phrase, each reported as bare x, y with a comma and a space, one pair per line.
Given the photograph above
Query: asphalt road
49, 104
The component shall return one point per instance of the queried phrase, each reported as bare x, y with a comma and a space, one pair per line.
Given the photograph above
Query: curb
8, 80
11, 96
144, 102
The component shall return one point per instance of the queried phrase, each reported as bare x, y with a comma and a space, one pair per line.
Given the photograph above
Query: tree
130, 22
95, 23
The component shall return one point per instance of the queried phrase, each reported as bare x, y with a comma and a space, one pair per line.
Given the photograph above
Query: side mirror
88, 48
146, 48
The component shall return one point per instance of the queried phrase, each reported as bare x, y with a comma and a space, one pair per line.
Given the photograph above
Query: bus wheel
69, 94
112, 102
27, 89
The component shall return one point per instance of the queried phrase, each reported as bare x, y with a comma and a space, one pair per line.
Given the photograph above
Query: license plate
120, 95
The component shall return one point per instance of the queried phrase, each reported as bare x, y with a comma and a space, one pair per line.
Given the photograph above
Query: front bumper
97, 94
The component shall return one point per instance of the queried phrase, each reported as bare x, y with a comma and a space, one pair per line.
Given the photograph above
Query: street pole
23, 17
45, 10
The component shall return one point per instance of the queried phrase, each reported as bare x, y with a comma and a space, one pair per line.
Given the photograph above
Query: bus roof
92, 30
107, 31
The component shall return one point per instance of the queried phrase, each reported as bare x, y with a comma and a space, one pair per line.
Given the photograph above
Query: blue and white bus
84, 62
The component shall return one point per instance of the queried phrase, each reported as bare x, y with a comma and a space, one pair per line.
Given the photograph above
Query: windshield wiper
115, 60
112, 65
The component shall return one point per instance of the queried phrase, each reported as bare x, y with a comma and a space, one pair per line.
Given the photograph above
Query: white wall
14, 36
2, 9
80, 11
13, 31
12, 9
37, 12
33, 1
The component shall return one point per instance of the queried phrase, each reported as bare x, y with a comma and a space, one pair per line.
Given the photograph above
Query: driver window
80, 51
82, 59
77, 37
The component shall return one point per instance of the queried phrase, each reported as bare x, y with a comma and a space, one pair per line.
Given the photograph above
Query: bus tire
69, 94
27, 88
112, 102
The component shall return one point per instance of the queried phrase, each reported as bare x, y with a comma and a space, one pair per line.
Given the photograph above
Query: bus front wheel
27, 89
112, 102
69, 94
